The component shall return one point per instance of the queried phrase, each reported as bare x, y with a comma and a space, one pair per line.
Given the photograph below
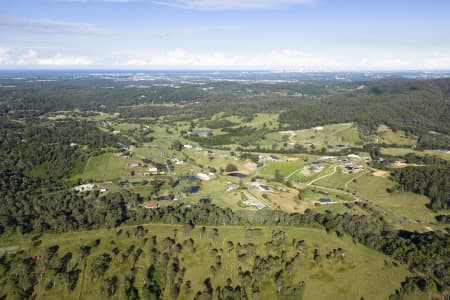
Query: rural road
292, 174
324, 176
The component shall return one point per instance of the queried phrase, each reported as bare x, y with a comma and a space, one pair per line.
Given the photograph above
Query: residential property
231, 187
84, 187
203, 176
260, 186
255, 203
151, 205
153, 170
326, 201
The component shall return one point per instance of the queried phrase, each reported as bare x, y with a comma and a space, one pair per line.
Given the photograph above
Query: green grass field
285, 168
336, 134
402, 205
399, 138
362, 273
337, 180
404, 151
104, 167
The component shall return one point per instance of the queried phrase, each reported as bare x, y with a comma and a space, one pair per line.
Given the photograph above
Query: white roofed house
203, 176
84, 187
153, 170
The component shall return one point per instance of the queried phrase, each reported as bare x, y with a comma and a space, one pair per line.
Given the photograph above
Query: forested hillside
415, 107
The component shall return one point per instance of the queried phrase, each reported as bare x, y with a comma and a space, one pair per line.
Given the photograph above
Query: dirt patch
428, 228
284, 200
251, 166
306, 171
383, 128
399, 164
380, 173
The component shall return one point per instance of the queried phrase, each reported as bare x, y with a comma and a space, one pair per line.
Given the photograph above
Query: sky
225, 34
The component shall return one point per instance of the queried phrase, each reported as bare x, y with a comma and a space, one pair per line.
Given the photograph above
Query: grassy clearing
270, 121
404, 151
338, 179
398, 138
337, 134
362, 273
285, 168
406, 205
107, 166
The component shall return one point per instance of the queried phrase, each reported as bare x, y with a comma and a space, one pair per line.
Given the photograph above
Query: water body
201, 130
237, 174
194, 189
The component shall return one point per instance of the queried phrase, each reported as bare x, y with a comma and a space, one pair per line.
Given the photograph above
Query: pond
237, 174
201, 130
193, 189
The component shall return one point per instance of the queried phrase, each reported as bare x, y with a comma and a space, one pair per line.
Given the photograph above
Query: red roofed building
151, 205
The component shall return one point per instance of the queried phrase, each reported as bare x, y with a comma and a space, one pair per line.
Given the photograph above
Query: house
231, 187
134, 165
203, 176
152, 205
205, 200
153, 170
274, 158
84, 187
318, 128
353, 156
177, 161
103, 190
326, 158
358, 167
260, 186
187, 146
122, 146
136, 182
255, 203
325, 200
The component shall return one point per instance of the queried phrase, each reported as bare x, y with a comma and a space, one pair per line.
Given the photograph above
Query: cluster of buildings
87, 187
255, 203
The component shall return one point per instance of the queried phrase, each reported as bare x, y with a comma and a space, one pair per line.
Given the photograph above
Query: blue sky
225, 34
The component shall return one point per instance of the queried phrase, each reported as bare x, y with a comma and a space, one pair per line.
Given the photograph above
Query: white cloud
5, 58
62, 60
31, 58
46, 26
217, 5
433, 61
27, 58
285, 58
